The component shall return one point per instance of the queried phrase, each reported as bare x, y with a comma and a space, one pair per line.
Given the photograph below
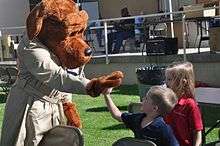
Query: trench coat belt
40, 90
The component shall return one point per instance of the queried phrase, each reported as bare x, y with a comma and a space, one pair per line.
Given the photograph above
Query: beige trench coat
33, 105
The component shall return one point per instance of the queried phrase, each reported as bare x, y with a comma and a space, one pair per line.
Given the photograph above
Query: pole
1, 49
165, 5
106, 42
219, 8
171, 18
79, 3
184, 37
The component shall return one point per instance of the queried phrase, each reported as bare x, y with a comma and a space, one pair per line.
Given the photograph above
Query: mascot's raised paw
97, 85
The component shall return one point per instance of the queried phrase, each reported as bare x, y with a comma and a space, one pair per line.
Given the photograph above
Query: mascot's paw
72, 115
97, 85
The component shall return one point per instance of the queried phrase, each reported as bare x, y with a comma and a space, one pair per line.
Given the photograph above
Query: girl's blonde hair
183, 79
164, 98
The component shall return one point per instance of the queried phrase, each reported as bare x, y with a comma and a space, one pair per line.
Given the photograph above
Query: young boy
149, 123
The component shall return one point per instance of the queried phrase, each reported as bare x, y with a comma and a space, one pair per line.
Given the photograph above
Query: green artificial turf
100, 129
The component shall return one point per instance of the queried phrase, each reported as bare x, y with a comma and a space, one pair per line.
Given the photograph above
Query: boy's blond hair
183, 76
162, 97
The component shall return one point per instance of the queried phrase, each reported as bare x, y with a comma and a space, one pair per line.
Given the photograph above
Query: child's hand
107, 91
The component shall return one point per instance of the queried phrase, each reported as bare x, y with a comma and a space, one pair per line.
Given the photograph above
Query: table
8, 63
210, 97
200, 21
207, 95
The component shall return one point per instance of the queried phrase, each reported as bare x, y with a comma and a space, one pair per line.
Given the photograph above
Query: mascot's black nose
88, 52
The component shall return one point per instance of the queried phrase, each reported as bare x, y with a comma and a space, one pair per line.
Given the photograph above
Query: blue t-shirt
157, 131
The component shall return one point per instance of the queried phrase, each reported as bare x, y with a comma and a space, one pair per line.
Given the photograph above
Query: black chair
13, 72
205, 132
63, 135
4, 80
130, 141
160, 46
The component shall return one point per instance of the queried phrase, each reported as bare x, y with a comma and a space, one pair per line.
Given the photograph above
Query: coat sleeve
38, 62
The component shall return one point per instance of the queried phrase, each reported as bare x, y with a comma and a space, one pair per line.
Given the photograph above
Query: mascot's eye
76, 32
73, 34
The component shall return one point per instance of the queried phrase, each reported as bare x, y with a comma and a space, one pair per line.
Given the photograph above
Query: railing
183, 20
106, 25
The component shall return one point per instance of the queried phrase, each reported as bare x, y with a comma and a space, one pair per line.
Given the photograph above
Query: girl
185, 118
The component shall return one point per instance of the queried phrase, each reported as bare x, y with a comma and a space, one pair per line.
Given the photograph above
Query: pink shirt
184, 119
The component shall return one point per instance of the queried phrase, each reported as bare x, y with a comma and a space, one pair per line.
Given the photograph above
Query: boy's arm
115, 112
197, 138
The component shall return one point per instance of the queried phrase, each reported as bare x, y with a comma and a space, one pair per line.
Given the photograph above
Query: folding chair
130, 141
158, 30
129, 44
13, 73
4, 80
63, 136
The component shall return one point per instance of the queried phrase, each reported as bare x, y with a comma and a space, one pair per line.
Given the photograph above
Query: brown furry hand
97, 85
72, 115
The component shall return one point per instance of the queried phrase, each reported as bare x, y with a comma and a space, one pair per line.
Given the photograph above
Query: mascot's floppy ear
34, 21
35, 18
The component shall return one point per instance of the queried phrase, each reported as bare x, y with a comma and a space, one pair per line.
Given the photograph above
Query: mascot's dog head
60, 26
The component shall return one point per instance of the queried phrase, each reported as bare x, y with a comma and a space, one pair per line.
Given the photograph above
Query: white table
210, 97
8, 63
207, 95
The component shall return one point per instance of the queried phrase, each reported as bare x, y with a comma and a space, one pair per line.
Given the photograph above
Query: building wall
13, 12
111, 8
92, 10
206, 66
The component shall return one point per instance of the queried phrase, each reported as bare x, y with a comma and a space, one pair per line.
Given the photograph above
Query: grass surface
100, 129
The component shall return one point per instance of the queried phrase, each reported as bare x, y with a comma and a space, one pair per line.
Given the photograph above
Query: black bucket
149, 76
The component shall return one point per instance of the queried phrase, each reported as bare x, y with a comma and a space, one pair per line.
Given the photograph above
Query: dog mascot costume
53, 43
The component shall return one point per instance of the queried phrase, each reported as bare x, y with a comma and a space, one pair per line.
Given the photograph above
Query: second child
185, 119
149, 124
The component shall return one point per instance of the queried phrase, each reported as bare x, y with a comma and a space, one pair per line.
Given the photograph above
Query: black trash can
149, 76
